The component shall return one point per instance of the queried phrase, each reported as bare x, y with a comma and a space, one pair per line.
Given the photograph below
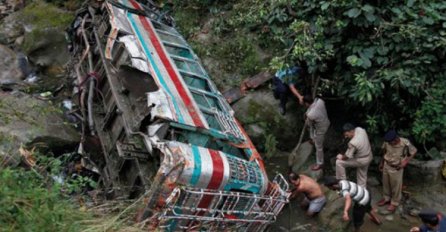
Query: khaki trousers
318, 137
361, 165
392, 184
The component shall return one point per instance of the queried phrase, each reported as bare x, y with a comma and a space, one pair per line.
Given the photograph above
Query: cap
428, 216
348, 127
390, 135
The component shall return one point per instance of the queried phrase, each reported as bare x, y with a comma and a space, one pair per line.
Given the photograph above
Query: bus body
164, 128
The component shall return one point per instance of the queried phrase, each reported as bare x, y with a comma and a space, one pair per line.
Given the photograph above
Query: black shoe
282, 110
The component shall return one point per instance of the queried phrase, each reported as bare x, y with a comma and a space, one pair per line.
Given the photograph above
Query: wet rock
10, 73
11, 28
261, 109
424, 171
300, 156
373, 181
26, 121
42, 27
389, 218
9, 6
331, 215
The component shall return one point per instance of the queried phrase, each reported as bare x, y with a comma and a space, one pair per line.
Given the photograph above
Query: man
314, 199
433, 221
318, 123
284, 82
397, 154
358, 154
359, 195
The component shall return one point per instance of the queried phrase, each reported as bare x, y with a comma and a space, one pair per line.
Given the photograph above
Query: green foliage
27, 203
42, 17
270, 146
386, 58
430, 118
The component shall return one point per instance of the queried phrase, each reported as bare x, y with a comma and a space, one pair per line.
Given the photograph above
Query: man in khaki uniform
318, 123
397, 154
358, 155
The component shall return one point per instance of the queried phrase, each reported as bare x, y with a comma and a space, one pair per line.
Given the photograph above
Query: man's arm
348, 204
297, 94
348, 154
350, 151
412, 152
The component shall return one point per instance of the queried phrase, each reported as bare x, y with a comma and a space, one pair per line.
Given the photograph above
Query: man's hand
415, 229
340, 157
345, 217
404, 163
301, 100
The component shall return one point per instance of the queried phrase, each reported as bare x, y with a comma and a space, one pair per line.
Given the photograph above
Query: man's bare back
309, 187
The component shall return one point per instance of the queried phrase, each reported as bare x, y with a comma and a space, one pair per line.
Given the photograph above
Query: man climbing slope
284, 84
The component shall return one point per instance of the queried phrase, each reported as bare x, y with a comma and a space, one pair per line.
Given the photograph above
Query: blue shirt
288, 76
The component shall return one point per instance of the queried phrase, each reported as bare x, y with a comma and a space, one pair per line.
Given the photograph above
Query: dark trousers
359, 212
281, 91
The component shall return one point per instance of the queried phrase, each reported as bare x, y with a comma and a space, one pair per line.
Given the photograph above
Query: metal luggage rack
225, 210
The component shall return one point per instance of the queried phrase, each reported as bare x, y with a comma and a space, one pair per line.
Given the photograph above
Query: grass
28, 203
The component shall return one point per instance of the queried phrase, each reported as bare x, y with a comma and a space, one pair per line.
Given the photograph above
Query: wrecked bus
165, 130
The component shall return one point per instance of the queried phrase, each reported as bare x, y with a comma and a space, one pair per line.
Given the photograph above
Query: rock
424, 171
300, 156
9, 6
331, 215
10, 73
26, 121
373, 181
11, 28
261, 109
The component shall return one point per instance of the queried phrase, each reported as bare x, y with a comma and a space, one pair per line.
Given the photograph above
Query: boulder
26, 121
10, 73
331, 215
8, 6
300, 156
259, 108
425, 171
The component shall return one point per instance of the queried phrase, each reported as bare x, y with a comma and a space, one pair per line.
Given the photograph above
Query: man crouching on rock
353, 193
314, 199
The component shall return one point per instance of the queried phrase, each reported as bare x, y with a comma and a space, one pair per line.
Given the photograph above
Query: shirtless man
314, 199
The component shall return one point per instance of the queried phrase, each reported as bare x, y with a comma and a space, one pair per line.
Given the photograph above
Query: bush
28, 203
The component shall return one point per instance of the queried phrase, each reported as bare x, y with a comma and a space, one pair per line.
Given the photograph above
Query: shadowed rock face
259, 113
26, 121
10, 73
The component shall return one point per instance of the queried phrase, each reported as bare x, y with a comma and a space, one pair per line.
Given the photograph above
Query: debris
254, 82
46, 94
67, 104
28, 156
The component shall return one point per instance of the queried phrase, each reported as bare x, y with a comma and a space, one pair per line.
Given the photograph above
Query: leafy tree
385, 58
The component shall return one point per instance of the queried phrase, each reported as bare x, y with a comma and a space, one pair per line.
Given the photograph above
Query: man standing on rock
318, 123
285, 83
358, 154
314, 200
353, 193
398, 152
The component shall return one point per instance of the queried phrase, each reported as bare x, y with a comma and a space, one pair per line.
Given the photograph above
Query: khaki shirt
393, 154
317, 114
359, 145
